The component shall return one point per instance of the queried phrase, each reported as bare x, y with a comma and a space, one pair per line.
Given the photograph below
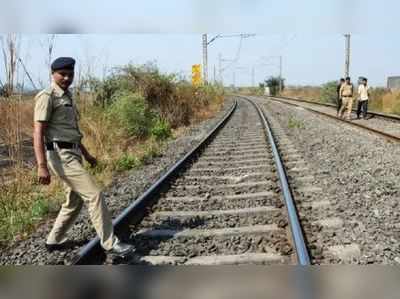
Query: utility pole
253, 76
220, 68
207, 42
280, 74
215, 74
347, 61
205, 59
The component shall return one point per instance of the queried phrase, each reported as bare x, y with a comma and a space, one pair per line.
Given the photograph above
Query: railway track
228, 201
336, 229
384, 125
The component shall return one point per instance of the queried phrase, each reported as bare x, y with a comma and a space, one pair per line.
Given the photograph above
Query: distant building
393, 82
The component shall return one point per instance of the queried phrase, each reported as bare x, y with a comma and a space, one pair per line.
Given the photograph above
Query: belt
61, 144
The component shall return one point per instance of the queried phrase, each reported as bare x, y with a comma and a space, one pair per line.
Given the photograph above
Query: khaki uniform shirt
56, 107
346, 90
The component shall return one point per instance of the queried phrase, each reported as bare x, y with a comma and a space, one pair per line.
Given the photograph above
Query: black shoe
121, 249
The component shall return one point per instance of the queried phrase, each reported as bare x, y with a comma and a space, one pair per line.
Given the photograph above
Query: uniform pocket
69, 155
64, 111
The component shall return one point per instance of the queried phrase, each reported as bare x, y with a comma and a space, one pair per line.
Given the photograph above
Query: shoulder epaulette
48, 91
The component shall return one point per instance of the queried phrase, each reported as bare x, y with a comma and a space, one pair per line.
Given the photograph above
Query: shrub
132, 112
174, 100
150, 150
161, 130
329, 92
126, 162
40, 207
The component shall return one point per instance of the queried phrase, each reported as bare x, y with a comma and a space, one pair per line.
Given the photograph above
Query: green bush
329, 92
173, 99
161, 130
151, 150
126, 162
132, 112
40, 207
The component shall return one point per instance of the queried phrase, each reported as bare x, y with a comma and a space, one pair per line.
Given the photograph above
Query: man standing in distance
346, 92
339, 98
57, 144
363, 96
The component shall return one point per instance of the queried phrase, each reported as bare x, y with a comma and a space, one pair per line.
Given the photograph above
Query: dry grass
22, 202
391, 102
209, 111
15, 124
307, 92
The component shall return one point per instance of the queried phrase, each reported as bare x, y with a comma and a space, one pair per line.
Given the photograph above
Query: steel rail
302, 253
369, 129
136, 211
375, 113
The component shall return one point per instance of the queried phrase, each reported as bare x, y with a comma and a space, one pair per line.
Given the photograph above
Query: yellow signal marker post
196, 75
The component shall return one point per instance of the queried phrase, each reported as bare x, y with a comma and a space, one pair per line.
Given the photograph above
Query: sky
307, 34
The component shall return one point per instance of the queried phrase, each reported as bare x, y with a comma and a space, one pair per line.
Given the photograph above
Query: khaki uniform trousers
347, 104
80, 188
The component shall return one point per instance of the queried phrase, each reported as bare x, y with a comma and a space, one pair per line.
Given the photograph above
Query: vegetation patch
294, 123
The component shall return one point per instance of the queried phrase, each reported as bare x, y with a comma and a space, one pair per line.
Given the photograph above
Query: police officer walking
363, 96
346, 93
338, 96
58, 147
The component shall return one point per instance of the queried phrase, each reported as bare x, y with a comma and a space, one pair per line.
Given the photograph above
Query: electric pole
205, 59
220, 68
215, 74
347, 61
207, 42
253, 76
280, 75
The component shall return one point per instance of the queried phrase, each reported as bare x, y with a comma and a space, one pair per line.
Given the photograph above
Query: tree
2, 90
273, 84
10, 49
48, 46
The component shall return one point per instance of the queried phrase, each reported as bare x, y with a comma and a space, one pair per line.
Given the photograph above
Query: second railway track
384, 125
225, 206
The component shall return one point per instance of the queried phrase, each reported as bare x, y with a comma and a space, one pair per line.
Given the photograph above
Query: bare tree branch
27, 73
10, 48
